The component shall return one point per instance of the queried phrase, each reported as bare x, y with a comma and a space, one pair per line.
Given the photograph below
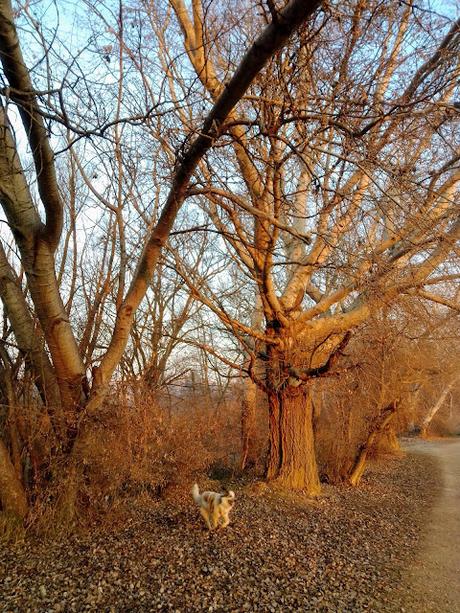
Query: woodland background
229, 243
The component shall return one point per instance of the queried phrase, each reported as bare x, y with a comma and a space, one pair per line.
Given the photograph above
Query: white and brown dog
214, 507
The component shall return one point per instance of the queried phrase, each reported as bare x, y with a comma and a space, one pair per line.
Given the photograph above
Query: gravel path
345, 552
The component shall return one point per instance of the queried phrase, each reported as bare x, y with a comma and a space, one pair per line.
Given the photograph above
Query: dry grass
138, 449
141, 447
11, 529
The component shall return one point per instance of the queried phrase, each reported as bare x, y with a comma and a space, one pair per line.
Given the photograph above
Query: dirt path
434, 578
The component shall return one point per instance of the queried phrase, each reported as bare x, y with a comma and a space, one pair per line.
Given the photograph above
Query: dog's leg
215, 517
205, 516
226, 518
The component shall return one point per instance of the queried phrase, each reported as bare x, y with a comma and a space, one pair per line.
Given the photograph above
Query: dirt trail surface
434, 577
346, 552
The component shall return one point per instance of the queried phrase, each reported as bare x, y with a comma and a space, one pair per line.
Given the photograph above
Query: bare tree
38, 237
337, 194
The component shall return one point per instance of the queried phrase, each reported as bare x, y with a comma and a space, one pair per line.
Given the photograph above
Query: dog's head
229, 497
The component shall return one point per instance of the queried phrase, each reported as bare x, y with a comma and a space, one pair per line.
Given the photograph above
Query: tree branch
22, 94
266, 44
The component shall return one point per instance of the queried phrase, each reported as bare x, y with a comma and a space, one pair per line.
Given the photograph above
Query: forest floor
348, 551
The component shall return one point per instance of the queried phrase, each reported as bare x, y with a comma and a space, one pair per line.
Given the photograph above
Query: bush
142, 448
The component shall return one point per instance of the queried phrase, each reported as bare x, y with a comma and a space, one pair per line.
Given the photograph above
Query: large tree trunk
12, 496
292, 459
37, 258
249, 402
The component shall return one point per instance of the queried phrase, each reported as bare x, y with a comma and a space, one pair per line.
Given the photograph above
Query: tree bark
249, 404
292, 459
37, 241
435, 408
37, 258
12, 496
8, 416
377, 430
18, 75
29, 339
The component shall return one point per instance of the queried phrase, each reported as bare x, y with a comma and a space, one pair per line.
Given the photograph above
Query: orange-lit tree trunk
292, 458
12, 495
292, 454
29, 338
435, 408
377, 431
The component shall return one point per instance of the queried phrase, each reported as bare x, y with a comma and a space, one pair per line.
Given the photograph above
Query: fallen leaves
346, 553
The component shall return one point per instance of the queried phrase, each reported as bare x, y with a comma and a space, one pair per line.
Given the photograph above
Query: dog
214, 507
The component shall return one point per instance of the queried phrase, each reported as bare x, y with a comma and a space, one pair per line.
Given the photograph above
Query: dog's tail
196, 494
